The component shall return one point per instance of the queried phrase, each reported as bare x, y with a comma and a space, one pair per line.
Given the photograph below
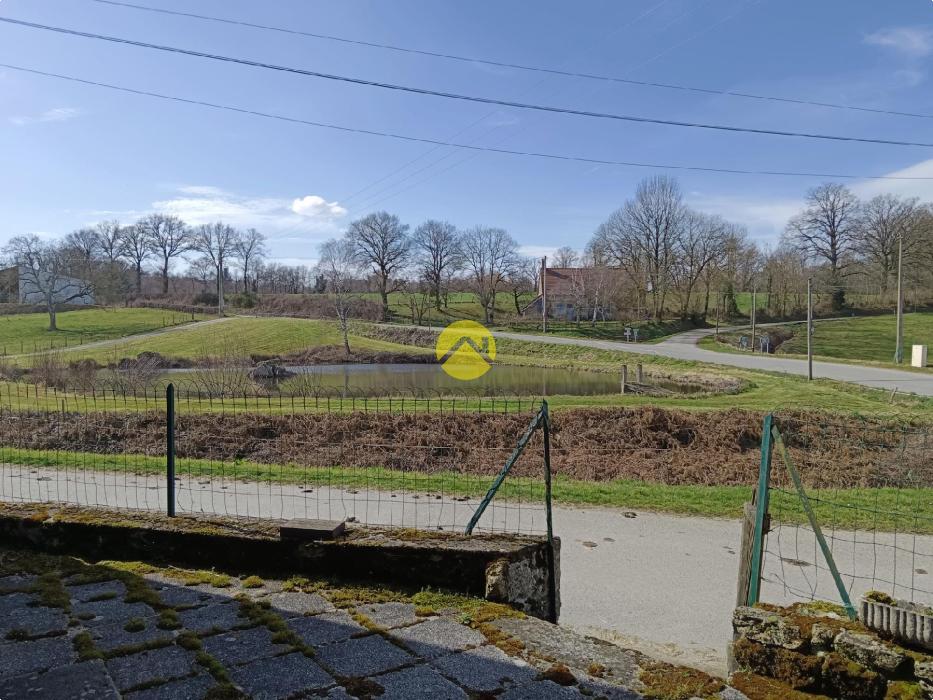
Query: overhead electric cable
519, 66
467, 98
418, 139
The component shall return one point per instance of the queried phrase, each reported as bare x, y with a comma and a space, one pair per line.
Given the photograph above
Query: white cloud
765, 217
58, 114
906, 188
315, 206
911, 41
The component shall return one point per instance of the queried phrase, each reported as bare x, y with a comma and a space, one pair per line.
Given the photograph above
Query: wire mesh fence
405, 460
851, 511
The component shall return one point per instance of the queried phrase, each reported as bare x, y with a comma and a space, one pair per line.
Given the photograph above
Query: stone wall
818, 652
507, 569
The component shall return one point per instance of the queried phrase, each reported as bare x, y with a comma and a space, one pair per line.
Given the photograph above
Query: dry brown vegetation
647, 444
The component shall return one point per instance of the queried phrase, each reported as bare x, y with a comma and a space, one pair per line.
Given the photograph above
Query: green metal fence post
552, 557
814, 523
170, 447
761, 511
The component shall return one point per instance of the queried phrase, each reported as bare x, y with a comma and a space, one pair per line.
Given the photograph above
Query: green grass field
865, 338
882, 509
29, 332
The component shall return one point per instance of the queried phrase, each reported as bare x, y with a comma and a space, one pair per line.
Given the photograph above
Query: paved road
661, 583
684, 347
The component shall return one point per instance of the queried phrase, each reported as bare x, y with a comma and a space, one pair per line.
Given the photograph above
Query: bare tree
488, 254
701, 241
83, 244
168, 238
338, 263
381, 241
884, 220
566, 257
641, 236
217, 243
42, 268
523, 278
437, 247
110, 240
137, 251
250, 249
826, 231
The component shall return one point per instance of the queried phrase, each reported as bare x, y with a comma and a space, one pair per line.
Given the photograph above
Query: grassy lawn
237, 337
865, 339
29, 332
883, 509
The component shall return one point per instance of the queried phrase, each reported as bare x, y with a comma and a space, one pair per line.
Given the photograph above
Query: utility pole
809, 329
544, 294
754, 309
718, 312
899, 349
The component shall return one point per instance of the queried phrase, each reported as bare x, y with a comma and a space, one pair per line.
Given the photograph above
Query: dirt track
647, 443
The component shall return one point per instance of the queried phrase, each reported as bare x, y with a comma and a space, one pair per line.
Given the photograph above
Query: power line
467, 98
418, 139
520, 66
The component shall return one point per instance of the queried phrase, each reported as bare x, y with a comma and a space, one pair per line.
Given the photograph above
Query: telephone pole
754, 309
899, 348
544, 294
809, 329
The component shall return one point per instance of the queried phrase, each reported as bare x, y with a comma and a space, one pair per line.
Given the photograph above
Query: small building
18, 285
575, 293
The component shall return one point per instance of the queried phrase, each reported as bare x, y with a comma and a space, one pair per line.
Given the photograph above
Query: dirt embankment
648, 444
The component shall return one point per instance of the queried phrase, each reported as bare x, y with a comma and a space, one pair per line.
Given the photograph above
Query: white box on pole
919, 357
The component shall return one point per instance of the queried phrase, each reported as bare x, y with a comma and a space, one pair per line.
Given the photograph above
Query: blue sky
73, 154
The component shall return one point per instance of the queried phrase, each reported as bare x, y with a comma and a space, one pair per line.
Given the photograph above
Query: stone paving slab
418, 683
317, 630
109, 637
34, 621
136, 669
542, 689
194, 687
281, 677
292, 604
16, 581
485, 669
106, 612
183, 597
390, 615
241, 646
364, 656
438, 637
29, 657
212, 618
88, 591
76, 682
16, 603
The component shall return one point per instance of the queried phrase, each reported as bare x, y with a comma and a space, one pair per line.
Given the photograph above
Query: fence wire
870, 487
404, 461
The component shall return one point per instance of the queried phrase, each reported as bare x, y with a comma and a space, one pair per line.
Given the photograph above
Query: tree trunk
139, 279
220, 290
53, 317
384, 294
165, 278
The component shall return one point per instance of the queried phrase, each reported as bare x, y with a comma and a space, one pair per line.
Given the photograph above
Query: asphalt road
660, 583
684, 347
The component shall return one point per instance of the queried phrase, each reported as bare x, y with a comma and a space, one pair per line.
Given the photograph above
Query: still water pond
373, 380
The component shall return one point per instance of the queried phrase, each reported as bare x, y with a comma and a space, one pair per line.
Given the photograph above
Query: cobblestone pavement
103, 631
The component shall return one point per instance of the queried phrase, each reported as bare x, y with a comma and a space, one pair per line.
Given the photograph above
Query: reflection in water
373, 379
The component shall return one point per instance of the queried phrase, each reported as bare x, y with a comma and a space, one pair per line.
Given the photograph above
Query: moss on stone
252, 582
880, 597
84, 647
799, 671
761, 688
902, 690
168, 620
847, 679
664, 681
135, 624
51, 591
596, 670
559, 673
362, 688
